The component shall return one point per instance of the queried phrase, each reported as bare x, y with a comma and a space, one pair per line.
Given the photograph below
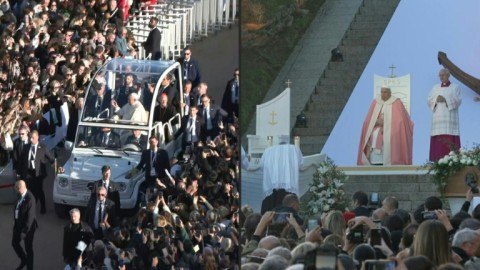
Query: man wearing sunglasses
19, 145
101, 214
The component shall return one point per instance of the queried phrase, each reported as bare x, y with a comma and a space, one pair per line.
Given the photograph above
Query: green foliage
261, 63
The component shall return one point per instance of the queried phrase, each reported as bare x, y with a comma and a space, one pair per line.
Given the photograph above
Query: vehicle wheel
60, 210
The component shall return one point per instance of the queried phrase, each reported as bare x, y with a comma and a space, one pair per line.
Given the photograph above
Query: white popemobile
90, 151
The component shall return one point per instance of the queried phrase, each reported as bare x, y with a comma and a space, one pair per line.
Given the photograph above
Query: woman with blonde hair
431, 240
335, 223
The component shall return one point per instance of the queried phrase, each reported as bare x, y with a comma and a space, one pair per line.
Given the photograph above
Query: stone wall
411, 190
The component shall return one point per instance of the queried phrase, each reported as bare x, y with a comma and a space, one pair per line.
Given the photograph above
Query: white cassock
134, 112
445, 114
281, 165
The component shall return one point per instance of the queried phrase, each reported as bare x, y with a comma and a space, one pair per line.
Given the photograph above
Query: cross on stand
392, 67
288, 82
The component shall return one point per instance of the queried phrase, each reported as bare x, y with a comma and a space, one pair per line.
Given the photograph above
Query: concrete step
361, 25
311, 131
335, 85
325, 105
323, 99
360, 33
364, 41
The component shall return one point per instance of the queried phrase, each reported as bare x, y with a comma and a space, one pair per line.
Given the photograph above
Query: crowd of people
365, 237
187, 219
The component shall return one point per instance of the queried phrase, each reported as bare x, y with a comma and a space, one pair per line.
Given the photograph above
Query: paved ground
218, 56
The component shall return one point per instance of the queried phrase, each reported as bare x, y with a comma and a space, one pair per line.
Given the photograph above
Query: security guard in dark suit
25, 225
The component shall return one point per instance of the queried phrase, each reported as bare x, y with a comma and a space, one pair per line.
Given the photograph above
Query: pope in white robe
133, 110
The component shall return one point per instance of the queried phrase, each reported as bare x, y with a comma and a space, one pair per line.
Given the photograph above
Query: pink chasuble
397, 137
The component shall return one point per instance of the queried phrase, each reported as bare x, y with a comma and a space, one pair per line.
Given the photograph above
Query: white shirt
445, 120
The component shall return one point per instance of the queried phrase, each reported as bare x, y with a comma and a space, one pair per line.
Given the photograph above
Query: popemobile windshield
119, 102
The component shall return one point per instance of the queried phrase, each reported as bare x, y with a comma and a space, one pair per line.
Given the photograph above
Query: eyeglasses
187, 53
69, 74
23, 134
102, 194
56, 87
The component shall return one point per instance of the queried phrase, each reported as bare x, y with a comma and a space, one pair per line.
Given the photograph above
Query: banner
400, 87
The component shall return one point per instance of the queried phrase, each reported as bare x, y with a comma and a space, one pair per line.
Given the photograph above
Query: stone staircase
339, 78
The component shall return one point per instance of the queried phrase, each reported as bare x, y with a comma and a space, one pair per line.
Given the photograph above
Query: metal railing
181, 22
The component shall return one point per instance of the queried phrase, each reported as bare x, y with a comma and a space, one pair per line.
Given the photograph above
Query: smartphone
374, 198
379, 265
320, 258
429, 215
312, 224
375, 237
280, 217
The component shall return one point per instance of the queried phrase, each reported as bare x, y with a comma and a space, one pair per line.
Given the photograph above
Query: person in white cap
133, 110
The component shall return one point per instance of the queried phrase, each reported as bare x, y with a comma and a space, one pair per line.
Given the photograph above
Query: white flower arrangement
327, 189
450, 164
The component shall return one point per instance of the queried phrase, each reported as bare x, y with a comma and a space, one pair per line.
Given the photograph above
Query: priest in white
281, 165
444, 100
387, 133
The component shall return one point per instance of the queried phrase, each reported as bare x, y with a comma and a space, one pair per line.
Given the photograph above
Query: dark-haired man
152, 44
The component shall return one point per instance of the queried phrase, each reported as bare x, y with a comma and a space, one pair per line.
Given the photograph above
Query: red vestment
396, 136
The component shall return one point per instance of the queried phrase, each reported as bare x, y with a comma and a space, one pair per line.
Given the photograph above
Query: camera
375, 237
356, 235
471, 181
429, 215
280, 217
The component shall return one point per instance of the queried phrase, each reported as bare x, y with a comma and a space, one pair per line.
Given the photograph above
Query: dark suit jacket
26, 214
112, 192
362, 211
192, 98
113, 140
110, 209
216, 115
72, 123
71, 236
172, 94
142, 142
198, 128
227, 104
91, 103
42, 158
193, 71
152, 44
163, 115
162, 162
17, 153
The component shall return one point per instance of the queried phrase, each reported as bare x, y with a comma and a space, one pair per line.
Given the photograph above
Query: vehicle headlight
122, 187
63, 182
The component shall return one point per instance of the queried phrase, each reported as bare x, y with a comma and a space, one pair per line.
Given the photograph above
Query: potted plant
326, 189
449, 173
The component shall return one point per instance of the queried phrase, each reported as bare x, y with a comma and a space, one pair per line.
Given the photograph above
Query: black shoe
22, 265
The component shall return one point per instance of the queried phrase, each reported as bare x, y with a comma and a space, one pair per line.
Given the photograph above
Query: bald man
24, 225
